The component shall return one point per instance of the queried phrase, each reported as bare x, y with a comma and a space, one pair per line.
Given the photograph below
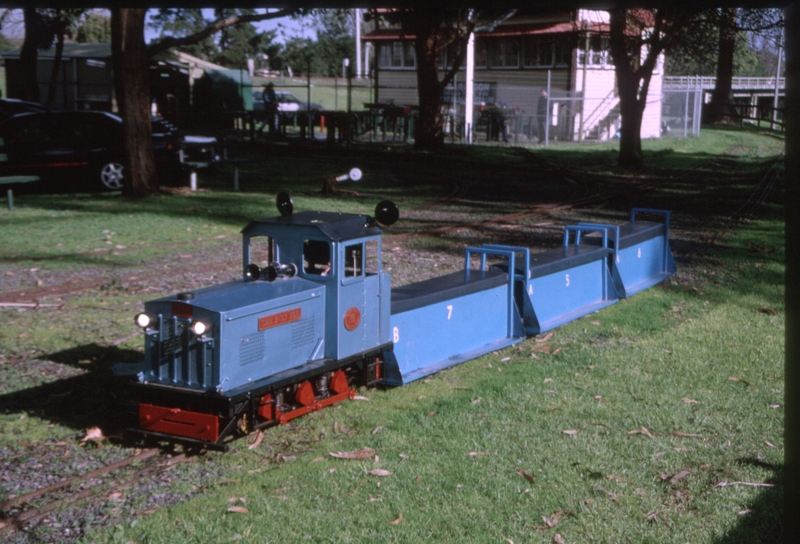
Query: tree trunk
718, 109
430, 125
133, 95
53, 85
28, 56
630, 132
630, 141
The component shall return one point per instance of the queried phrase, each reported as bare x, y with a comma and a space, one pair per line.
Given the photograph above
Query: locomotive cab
341, 252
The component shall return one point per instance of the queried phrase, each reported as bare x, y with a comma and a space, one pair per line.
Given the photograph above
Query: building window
504, 53
546, 51
397, 56
599, 54
481, 53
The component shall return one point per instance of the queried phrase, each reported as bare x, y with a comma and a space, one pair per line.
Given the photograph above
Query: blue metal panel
642, 257
447, 320
563, 284
257, 328
440, 335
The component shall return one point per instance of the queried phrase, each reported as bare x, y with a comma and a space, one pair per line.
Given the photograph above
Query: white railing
674, 83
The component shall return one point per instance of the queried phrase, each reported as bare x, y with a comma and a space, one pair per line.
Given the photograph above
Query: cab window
317, 257
353, 260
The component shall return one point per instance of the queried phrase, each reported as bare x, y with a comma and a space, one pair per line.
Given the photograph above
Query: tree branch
215, 27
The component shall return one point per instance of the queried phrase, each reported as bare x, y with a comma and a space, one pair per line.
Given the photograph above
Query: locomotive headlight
200, 328
145, 320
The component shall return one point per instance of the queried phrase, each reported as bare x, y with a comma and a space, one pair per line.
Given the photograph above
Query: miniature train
322, 318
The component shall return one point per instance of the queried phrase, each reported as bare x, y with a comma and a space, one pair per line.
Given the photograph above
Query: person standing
541, 115
270, 109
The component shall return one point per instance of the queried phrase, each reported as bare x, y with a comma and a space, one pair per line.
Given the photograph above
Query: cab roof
335, 226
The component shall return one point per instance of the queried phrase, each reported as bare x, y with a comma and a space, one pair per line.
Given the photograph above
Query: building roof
103, 51
520, 29
71, 50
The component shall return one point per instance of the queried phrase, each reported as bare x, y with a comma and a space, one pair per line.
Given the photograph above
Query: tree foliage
94, 28
637, 40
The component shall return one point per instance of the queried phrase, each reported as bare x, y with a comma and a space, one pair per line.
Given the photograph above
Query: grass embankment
658, 419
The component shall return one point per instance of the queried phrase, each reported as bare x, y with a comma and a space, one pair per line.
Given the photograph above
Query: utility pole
358, 43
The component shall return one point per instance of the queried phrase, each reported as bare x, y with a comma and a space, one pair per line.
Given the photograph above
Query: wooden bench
12, 180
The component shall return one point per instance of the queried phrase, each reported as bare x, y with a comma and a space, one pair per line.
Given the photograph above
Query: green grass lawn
658, 419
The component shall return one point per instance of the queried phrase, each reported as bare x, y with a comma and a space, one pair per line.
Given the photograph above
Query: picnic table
13, 180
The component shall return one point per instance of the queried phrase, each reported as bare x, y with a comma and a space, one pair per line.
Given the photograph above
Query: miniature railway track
85, 488
745, 212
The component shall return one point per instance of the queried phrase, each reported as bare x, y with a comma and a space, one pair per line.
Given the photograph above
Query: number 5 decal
567, 280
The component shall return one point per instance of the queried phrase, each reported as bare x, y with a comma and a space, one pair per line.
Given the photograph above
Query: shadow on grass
761, 521
79, 402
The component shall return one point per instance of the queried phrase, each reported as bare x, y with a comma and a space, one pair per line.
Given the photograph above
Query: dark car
13, 106
78, 147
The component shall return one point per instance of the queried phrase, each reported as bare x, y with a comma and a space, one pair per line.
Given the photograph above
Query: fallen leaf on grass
377, 429
256, 441
380, 472
685, 435
690, 401
556, 350
374, 499
768, 443
527, 475
478, 453
643, 431
545, 338
363, 453
556, 518
571, 432
747, 484
93, 434
238, 510
398, 520
558, 539
431, 413
679, 476
359, 397
317, 459
743, 512
608, 493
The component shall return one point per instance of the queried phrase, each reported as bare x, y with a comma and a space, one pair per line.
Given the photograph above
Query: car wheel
111, 176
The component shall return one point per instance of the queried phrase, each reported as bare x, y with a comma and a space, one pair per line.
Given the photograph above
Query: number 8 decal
395, 335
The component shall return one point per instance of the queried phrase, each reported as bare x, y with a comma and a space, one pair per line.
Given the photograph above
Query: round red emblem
352, 318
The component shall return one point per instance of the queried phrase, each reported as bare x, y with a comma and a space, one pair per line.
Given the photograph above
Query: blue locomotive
321, 318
